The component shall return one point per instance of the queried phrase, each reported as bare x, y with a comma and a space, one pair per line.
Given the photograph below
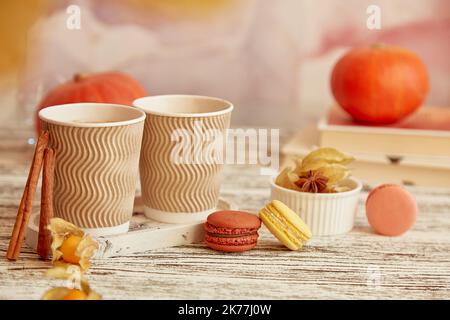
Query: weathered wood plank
357, 265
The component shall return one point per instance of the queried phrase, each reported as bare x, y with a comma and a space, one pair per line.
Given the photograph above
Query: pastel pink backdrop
272, 59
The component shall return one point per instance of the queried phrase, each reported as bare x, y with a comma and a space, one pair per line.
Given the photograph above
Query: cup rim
351, 192
139, 103
45, 116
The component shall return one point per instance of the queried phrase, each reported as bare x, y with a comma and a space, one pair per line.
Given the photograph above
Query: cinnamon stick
48, 174
25, 207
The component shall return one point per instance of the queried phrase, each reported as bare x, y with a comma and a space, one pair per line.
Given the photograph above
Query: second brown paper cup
175, 192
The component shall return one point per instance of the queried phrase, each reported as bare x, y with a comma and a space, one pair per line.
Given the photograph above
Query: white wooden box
144, 235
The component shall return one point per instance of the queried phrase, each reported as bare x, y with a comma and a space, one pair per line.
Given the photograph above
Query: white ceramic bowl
324, 213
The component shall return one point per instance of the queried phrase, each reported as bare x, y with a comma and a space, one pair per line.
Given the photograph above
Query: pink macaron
391, 210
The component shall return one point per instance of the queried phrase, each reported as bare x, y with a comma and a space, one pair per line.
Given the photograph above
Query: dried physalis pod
287, 179
298, 166
329, 155
331, 163
335, 173
63, 293
65, 271
70, 244
311, 166
78, 287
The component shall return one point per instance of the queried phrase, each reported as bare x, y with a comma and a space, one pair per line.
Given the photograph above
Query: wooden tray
144, 235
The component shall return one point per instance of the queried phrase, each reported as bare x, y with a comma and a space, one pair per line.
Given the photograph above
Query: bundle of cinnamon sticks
43, 157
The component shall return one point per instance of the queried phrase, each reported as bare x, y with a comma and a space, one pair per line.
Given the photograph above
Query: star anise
314, 181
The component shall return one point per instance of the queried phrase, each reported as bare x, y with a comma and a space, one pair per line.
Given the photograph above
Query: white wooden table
356, 265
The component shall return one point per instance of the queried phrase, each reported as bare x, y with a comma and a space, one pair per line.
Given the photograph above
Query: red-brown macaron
232, 231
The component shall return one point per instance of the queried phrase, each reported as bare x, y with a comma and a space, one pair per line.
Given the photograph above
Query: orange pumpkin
379, 84
109, 87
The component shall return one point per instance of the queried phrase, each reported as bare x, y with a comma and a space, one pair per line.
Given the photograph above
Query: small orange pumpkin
379, 84
108, 87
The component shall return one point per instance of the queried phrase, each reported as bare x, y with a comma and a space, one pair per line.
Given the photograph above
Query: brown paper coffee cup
175, 190
97, 155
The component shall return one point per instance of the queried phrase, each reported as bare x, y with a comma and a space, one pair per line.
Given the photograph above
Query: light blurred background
271, 58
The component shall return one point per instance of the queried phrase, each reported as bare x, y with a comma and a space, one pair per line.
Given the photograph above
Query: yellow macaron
285, 224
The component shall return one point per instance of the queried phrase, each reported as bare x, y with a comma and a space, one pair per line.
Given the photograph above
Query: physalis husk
287, 179
330, 155
77, 289
331, 163
70, 244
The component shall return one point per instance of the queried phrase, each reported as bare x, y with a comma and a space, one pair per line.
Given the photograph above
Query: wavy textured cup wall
96, 173
324, 213
172, 187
